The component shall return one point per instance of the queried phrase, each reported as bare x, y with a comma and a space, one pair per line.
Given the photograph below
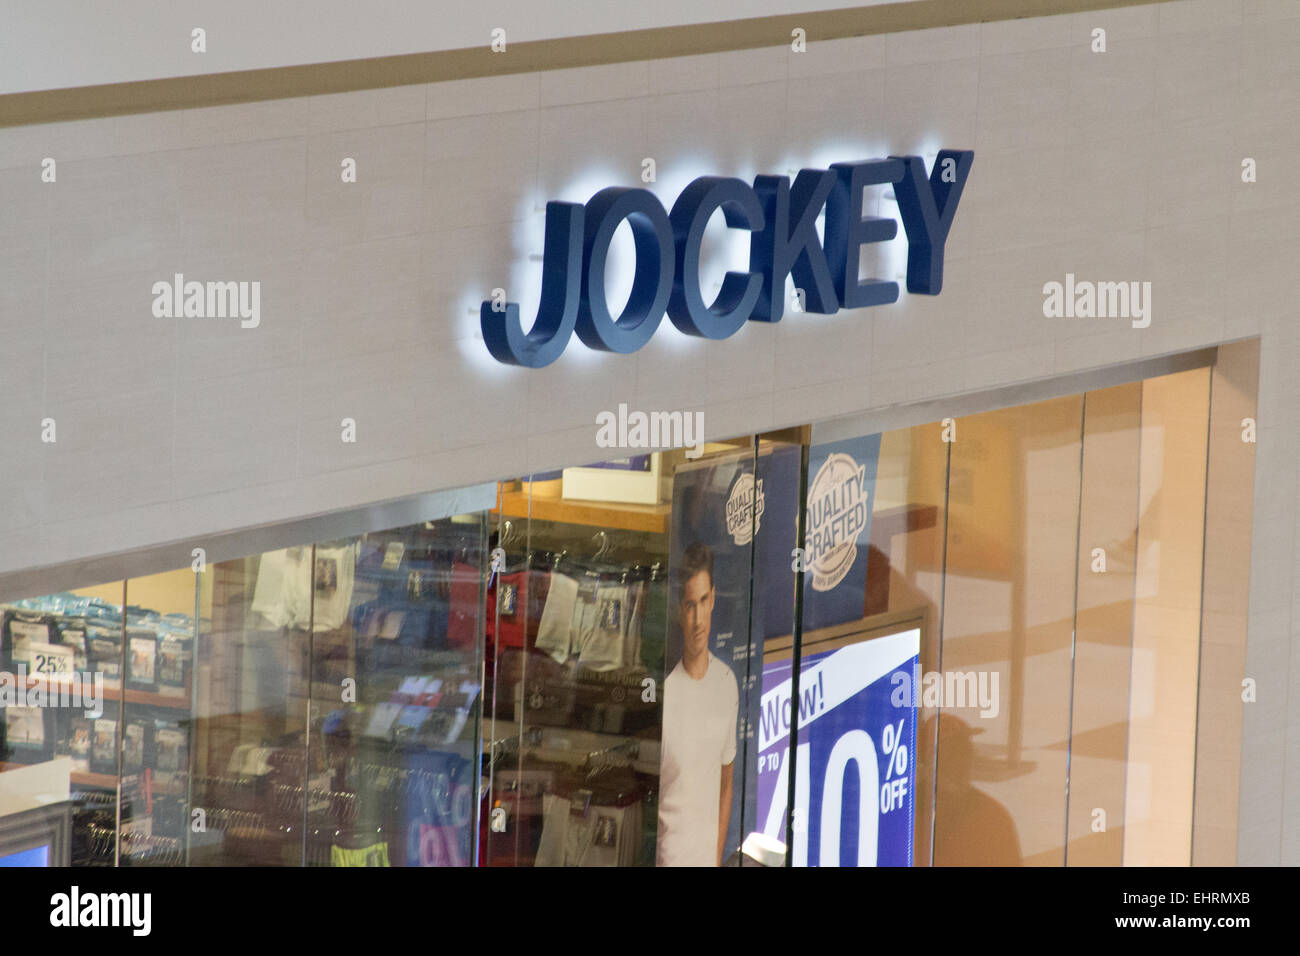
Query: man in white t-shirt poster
701, 705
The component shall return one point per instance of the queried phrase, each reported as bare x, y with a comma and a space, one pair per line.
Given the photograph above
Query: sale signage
855, 767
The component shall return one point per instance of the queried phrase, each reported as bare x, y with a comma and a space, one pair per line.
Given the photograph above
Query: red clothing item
462, 621
523, 595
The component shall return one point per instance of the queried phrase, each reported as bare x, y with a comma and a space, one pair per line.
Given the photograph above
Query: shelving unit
540, 501
82, 778
571, 745
104, 781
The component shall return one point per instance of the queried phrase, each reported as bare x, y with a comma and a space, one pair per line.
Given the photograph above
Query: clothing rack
630, 749
143, 849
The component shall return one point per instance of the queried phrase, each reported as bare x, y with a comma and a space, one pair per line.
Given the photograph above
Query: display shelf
80, 778
571, 745
105, 781
152, 699
647, 519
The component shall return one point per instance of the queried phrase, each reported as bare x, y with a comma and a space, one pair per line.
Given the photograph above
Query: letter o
652, 282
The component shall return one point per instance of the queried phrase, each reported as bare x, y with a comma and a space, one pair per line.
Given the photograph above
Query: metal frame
231, 545
48, 825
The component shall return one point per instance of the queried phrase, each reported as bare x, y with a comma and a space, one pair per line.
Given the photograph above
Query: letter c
740, 290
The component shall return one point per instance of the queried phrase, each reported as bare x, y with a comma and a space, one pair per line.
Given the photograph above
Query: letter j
557, 315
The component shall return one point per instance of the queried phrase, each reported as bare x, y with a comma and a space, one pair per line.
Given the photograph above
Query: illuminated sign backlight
781, 218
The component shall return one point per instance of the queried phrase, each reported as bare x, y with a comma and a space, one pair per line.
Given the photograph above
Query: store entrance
971, 641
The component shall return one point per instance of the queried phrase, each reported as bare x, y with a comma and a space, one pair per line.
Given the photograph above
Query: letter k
788, 243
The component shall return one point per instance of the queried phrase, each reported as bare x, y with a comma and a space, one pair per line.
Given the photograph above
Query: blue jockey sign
781, 218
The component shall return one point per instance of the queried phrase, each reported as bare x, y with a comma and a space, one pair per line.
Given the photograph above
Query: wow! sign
855, 771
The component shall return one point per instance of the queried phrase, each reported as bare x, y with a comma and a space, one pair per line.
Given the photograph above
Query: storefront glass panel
996, 619
396, 697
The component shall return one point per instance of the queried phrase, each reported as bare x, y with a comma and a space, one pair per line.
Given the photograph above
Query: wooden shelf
152, 699
647, 519
572, 745
105, 781
81, 778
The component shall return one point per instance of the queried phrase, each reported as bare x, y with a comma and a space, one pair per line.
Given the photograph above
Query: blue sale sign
856, 768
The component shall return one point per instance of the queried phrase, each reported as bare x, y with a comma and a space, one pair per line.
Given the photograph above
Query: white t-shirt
699, 739
287, 584
283, 590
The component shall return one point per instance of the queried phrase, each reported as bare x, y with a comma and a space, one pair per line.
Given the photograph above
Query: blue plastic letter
927, 208
779, 250
561, 290
652, 282
690, 215
847, 231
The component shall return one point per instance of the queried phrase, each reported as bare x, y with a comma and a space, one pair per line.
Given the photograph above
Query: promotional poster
856, 768
841, 495
728, 524
733, 519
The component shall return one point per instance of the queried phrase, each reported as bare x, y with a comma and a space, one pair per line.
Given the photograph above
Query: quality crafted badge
839, 504
745, 508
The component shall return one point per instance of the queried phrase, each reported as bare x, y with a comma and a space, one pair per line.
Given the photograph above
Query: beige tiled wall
1122, 165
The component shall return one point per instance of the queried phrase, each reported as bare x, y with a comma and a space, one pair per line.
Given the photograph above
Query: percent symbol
891, 741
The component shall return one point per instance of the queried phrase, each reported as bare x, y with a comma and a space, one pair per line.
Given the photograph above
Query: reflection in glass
996, 621
1008, 619
157, 721
574, 652
396, 701
249, 757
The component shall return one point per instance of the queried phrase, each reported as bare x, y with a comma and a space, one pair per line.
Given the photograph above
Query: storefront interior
490, 688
